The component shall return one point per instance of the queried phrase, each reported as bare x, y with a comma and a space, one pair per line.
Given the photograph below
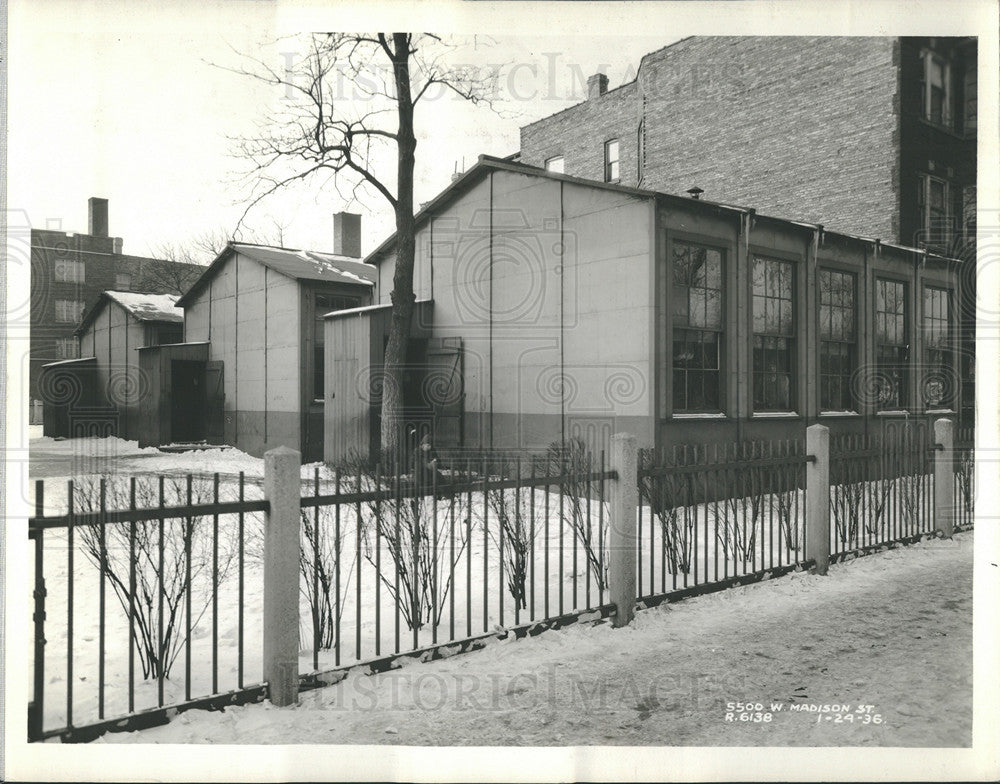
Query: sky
141, 107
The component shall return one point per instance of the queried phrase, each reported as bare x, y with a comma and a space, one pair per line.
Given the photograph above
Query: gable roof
160, 308
295, 264
488, 163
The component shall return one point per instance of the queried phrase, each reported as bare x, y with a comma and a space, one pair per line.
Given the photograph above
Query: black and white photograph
548, 391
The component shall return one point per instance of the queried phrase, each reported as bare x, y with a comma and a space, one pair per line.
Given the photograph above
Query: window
773, 334
938, 382
891, 344
67, 271
838, 341
69, 311
935, 213
936, 97
556, 164
325, 303
611, 160
698, 318
123, 281
67, 348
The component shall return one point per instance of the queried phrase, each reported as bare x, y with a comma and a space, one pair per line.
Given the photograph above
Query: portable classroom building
582, 308
108, 375
254, 358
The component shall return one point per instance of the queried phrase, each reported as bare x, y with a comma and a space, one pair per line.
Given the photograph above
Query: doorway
187, 401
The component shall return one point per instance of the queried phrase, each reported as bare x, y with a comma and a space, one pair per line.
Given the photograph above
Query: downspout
744, 341
562, 320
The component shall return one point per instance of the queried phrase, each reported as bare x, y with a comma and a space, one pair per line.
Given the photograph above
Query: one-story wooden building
250, 369
107, 382
574, 308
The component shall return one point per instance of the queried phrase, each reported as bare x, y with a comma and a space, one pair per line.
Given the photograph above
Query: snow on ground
892, 631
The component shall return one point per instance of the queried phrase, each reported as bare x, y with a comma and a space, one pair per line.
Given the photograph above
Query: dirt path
891, 631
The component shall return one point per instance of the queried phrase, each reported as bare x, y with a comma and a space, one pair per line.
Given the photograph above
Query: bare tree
350, 140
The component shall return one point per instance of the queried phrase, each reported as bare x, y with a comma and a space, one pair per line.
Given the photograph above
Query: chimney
597, 85
347, 234
97, 211
695, 192
118, 246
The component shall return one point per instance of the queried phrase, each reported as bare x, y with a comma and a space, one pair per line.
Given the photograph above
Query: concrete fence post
944, 477
622, 544
818, 497
281, 575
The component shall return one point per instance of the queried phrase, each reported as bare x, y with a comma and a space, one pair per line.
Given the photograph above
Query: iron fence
881, 488
427, 558
713, 514
157, 543
395, 562
965, 477
390, 563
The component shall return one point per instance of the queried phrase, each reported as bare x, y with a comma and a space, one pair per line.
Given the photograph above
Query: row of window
612, 173
67, 271
699, 326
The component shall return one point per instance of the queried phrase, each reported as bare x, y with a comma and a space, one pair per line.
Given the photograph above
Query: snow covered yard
891, 632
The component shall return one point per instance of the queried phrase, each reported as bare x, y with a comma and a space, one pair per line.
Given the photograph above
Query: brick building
70, 271
873, 136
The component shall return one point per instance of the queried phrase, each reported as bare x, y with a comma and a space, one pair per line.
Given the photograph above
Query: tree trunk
402, 281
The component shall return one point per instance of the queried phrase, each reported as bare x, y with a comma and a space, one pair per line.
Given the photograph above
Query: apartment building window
67, 348
123, 281
698, 319
325, 303
891, 344
773, 334
937, 93
934, 203
611, 173
838, 339
67, 271
556, 165
938, 362
69, 311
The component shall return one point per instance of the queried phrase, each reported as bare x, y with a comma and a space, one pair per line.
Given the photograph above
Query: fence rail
392, 563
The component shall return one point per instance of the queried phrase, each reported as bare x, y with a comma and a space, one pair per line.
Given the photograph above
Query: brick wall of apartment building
101, 266
578, 134
802, 128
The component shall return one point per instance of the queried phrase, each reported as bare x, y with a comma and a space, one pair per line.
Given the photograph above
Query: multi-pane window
773, 334
123, 281
935, 212
936, 96
69, 311
938, 369
611, 160
325, 303
556, 164
837, 339
67, 348
697, 318
67, 271
891, 344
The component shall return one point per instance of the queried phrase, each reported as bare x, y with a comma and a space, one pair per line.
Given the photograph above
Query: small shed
258, 310
107, 382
